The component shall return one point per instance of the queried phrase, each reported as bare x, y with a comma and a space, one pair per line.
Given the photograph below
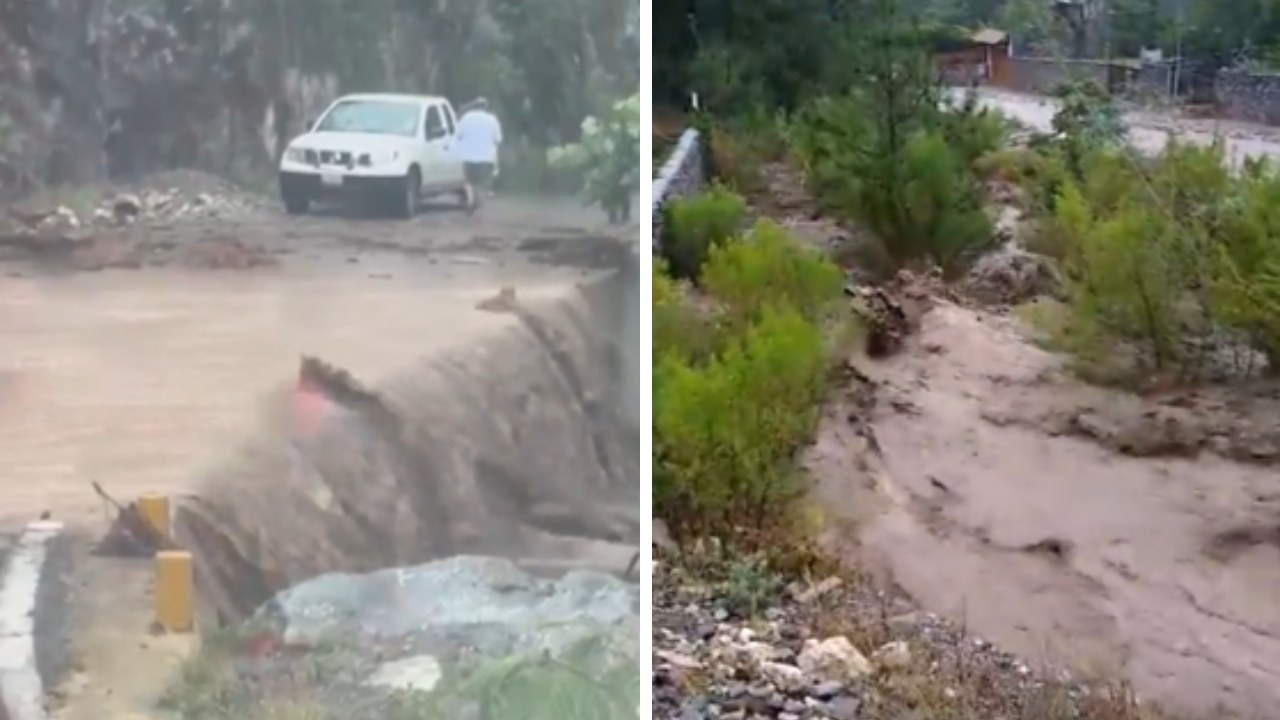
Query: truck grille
329, 157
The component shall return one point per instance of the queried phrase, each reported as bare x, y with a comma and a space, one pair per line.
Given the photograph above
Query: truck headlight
297, 155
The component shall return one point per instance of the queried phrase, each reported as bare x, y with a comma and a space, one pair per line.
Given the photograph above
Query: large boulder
465, 637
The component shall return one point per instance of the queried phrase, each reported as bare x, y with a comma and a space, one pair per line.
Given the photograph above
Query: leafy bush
924, 203
726, 430
679, 327
1087, 121
1245, 292
1125, 278
973, 131
734, 162
606, 156
1175, 255
908, 186
693, 226
768, 267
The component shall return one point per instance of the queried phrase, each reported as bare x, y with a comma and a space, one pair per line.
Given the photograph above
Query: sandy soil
1011, 498
135, 356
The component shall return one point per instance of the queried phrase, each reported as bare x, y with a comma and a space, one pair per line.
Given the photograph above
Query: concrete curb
21, 687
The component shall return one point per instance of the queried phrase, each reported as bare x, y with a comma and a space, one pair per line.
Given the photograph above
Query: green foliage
914, 191
770, 52
1087, 121
543, 64
752, 587
596, 678
1246, 288
887, 156
1033, 22
738, 381
1125, 278
607, 155
693, 226
726, 430
679, 327
973, 131
1168, 255
768, 267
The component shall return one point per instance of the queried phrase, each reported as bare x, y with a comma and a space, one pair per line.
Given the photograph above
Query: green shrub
726, 430
768, 267
908, 186
1245, 291
679, 327
735, 162
925, 204
693, 226
1125, 279
1166, 254
973, 131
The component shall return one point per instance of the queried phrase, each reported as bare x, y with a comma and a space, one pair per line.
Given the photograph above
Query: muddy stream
1008, 496
132, 363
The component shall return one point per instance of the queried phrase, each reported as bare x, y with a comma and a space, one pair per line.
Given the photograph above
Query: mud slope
986, 507
524, 443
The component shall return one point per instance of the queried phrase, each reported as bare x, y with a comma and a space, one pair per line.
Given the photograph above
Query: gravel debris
840, 648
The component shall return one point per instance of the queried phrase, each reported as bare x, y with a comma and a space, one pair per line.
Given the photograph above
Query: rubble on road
131, 227
167, 198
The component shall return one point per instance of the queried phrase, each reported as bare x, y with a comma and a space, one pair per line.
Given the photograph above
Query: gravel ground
840, 648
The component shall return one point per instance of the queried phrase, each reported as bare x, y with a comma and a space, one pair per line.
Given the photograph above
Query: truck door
438, 157
453, 172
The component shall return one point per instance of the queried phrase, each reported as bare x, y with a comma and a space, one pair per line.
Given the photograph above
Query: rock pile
190, 197
835, 650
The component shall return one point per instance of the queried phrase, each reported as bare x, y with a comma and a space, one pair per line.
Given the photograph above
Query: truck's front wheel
407, 194
296, 200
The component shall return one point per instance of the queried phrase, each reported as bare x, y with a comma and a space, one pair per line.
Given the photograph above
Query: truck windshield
379, 117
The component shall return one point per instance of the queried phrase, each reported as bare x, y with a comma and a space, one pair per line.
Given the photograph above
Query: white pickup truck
390, 149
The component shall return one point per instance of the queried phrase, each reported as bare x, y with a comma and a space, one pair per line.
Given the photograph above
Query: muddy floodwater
145, 357
131, 379
1161, 570
1148, 131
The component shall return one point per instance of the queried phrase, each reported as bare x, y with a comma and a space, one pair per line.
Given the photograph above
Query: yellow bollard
175, 607
154, 509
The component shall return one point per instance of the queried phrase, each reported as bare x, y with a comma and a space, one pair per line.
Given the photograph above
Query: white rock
662, 535
787, 678
678, 660
893, 656
834, 659
419, 672
68, 216
814, 592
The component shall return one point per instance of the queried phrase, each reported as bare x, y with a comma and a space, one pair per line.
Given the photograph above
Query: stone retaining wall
1252, 97
681, 176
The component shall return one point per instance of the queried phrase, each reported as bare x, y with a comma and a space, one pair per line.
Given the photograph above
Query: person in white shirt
478, 136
